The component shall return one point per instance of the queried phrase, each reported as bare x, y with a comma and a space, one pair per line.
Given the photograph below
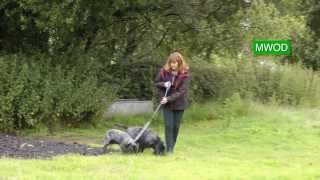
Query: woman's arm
180, 91
158, 82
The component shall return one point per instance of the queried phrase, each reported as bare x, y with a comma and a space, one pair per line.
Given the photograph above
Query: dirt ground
26, 148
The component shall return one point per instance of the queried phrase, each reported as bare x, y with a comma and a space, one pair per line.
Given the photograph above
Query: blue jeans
172, 119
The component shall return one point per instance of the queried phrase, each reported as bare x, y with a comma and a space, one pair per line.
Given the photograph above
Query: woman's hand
167, 84
164, 100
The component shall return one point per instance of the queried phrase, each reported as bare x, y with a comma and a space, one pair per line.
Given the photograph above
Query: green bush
254, 79
135, 79
205, 80
34, 90
235, 106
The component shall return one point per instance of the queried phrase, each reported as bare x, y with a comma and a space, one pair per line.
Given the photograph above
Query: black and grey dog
148, 139
115, 136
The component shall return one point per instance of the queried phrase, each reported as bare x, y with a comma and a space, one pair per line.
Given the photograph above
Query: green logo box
271, 47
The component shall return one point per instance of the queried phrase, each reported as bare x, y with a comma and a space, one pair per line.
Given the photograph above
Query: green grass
268, 142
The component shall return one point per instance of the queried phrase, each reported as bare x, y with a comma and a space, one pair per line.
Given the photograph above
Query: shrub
258, 80
34, 90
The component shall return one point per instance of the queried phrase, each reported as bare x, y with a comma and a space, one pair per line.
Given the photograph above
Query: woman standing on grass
174, 75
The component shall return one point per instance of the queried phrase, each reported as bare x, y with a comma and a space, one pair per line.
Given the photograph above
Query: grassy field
267, 142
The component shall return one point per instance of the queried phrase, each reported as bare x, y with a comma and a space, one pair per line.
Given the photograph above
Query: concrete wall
129, 107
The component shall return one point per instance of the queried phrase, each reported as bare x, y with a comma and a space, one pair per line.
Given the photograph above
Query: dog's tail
121, 126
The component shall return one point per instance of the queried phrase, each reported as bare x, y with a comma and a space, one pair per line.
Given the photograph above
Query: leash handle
152, 117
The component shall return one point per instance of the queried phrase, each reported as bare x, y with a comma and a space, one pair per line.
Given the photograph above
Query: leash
153, 115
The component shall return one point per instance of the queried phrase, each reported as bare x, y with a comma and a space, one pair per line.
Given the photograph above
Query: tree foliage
55, 54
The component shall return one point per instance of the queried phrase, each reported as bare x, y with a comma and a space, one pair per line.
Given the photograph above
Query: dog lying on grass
115, 136
148, 139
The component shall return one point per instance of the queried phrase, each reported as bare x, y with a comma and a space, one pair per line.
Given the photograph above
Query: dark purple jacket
177, 95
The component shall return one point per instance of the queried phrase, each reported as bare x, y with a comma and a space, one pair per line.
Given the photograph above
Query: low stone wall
129, 107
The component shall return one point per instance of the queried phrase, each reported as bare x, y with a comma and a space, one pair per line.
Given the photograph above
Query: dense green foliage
33, 90
263, 81
59, 57
308, 49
